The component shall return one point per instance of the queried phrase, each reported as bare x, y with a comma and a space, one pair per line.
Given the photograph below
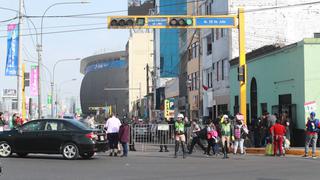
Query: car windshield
79, 124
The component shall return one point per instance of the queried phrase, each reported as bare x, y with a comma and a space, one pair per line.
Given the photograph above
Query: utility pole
147, 75
19, 90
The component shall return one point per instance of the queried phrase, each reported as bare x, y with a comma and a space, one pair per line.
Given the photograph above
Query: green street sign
49, 99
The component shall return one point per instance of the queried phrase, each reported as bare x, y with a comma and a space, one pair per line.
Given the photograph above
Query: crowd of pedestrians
225, 135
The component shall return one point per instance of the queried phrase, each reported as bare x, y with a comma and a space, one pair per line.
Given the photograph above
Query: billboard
169, 108
9, 93
140, 7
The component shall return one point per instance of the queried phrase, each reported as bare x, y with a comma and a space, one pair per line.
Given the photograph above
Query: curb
295, 152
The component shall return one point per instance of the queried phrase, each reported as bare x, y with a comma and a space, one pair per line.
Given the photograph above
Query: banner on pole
34, 81
12, 64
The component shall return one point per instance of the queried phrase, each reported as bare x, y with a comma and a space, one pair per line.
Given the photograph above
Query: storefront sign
310, 106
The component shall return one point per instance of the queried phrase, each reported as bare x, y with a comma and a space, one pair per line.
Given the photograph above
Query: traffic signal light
26, 79
180, 21
130, 21
241, 73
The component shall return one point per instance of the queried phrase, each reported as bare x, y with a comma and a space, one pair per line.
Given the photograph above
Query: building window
196, 84
222, 32
209, 45
217, 71
217, 34
209, 79
222, 70
212, 34
193, 51
211, 75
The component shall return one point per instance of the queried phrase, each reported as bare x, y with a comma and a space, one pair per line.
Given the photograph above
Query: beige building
140, 50
193, 67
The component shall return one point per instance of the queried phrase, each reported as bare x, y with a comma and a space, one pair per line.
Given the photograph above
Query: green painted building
280, 79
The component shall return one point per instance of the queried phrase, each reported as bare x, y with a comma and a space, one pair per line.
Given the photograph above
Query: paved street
150, 165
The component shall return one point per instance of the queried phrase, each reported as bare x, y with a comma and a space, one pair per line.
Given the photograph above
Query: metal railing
148, 136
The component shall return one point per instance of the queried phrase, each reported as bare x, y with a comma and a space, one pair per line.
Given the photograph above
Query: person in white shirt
112, 129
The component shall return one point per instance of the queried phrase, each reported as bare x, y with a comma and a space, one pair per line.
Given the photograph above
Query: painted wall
312, 72
140, 54
276, 74
275, 25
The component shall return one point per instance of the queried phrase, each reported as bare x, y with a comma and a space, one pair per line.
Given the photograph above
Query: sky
63, 45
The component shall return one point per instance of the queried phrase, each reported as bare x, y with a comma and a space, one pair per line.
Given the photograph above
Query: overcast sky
62, 45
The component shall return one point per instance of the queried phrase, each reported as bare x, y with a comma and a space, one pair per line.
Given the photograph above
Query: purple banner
34, 81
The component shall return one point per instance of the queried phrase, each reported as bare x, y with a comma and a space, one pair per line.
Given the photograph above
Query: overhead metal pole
39, 50
242, 62
19, 89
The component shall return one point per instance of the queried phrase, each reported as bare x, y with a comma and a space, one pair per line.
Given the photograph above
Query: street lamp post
58, 90
53, 82
39, 50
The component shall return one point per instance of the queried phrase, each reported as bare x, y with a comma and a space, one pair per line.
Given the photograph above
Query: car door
28, 137
52, 137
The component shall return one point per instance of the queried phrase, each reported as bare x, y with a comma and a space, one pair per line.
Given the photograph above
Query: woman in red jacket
278, 131
124, 133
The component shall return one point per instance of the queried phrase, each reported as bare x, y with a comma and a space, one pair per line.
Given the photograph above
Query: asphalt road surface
160, 166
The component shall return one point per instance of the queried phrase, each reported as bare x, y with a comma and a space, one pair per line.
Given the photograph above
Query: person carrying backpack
313, 126
240, 132
212, 138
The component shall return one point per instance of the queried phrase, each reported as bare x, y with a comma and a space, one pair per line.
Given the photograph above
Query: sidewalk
297, 151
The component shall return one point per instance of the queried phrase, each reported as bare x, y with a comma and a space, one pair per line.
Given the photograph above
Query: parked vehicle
53, 136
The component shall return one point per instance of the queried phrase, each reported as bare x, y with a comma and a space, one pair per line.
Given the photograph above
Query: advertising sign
169, 108
310, 106
12, 51
9, 93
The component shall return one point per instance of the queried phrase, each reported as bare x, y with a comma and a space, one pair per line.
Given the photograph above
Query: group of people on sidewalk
222, 133
12, 122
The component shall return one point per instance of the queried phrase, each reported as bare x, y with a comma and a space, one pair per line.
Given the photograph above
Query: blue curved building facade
109, 70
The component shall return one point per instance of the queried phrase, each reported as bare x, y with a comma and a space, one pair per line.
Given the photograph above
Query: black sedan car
53, 136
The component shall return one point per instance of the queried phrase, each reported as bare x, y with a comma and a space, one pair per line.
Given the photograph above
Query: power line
64, 26
32, 39
116, 11
66, 31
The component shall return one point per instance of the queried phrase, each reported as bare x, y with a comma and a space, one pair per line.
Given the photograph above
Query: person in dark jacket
124, 133
2, 121
195, 130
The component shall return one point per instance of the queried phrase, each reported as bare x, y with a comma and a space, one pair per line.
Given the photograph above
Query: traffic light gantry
194, 22
171, 22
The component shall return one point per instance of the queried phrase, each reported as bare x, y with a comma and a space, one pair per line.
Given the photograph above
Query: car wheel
22, 154
87, 155
70, 151
5, 149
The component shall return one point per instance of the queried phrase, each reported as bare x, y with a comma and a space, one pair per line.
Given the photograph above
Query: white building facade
264, 25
